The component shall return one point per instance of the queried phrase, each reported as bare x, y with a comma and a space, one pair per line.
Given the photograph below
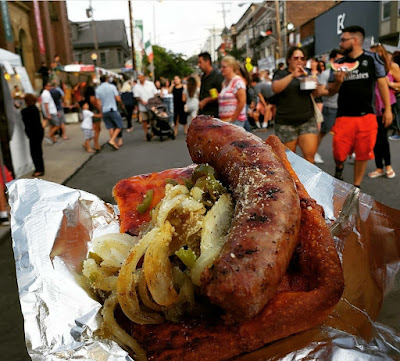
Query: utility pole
89, 13
132, 37
278, 28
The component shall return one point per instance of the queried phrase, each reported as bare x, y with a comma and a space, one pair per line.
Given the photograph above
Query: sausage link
266, 221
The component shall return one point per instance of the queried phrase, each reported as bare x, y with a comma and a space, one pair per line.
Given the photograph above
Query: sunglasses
302, 58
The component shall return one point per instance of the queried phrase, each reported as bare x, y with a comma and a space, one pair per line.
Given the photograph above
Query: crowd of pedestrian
304, 100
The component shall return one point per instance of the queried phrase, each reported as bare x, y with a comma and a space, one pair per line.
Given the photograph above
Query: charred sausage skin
265, 226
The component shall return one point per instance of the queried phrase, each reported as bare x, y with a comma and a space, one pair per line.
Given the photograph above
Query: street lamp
94, 58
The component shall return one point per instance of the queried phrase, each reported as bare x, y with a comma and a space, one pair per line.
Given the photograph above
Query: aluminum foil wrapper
52, 226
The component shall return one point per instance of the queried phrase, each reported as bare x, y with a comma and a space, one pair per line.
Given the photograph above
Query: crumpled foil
52, 226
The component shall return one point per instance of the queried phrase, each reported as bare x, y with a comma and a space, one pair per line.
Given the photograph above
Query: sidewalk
63, 159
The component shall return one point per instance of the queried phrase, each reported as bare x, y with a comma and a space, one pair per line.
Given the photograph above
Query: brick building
262, 32
38, 30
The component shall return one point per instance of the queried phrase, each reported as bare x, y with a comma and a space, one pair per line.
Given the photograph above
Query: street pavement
67, 163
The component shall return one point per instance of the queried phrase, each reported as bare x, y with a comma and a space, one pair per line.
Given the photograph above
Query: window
103, 59
386, 9
79, 58
120, 61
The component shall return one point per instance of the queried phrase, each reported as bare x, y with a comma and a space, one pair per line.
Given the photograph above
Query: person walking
49, 110
58, 96
191, 95
356, 126
35, 133
90, 98
168, 100
107, 95
87, 126
129, 102
382, 148
180, 117
329, 107
144, 90
211, 83
295, 123
232, 98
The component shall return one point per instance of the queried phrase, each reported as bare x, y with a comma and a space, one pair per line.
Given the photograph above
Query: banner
6, 20
138, 33
38, 22
149, 51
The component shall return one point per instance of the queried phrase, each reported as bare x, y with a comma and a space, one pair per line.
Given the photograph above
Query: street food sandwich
218, 258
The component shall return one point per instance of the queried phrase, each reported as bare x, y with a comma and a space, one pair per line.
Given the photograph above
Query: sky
181, 26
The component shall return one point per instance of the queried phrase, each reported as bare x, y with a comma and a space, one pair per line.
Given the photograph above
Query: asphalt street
138, 156
102, 171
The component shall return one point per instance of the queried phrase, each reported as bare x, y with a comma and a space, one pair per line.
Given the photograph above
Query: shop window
386, 9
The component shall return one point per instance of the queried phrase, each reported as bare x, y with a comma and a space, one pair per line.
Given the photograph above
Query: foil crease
52, 226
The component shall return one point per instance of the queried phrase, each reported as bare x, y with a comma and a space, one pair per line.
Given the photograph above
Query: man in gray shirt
329, 109
108, 96
264, 92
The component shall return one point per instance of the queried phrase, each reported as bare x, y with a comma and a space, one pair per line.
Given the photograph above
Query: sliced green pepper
187, 256
171, 181
201, 171
147, 199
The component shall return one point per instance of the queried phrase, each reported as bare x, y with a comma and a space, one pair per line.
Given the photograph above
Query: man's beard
346, 51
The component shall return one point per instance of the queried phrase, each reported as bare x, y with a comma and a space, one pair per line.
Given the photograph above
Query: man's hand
203, 103
339, 76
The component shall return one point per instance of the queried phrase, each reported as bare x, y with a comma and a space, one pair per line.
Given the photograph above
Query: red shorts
354, 134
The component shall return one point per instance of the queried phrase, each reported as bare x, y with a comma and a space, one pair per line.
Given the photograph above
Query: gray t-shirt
329, 102
265, 89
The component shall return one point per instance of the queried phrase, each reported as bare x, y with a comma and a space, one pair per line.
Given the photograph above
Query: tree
237, 54
168, 64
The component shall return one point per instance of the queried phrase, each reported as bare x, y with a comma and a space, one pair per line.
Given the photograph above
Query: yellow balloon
249, 67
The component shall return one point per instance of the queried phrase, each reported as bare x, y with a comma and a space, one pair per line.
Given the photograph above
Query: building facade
265, 30
107, 39
37, 31
329, 25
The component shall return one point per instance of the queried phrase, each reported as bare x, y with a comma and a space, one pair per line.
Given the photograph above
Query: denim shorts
288, 133
55, 120
61, 115
112, 120
329, 115
88, 134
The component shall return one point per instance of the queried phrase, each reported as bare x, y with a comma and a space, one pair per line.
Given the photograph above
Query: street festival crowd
354, 95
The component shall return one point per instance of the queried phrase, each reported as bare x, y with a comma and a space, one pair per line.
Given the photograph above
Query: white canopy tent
11, 58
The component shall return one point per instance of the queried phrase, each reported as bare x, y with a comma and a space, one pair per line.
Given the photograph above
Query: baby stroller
159, 118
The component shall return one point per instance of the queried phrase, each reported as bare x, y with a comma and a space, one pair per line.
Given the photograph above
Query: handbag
319, 118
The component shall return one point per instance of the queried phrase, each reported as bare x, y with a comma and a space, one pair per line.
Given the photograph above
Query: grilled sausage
265, 227
308, 293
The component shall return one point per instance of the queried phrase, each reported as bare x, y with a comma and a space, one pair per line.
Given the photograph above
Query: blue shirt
107, 92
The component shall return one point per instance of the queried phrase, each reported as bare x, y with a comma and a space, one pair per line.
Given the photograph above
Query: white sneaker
318, 159
258, 125
264, 125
